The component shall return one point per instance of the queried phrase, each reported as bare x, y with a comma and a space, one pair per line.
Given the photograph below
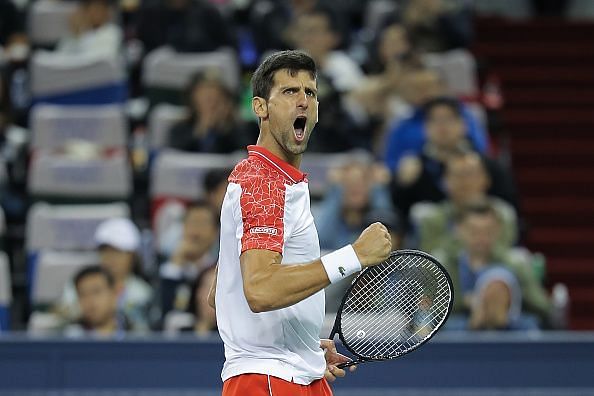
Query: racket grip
348, 364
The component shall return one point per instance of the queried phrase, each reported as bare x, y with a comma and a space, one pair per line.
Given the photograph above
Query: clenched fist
373, 245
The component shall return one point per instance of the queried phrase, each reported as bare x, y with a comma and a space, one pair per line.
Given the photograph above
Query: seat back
67, 227
48, 21
167, 73
53, 272
72, 79
60, 177
5, 292
54, 126
162, 118
458, 69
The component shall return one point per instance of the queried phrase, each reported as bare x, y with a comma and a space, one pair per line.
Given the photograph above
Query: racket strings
395, 306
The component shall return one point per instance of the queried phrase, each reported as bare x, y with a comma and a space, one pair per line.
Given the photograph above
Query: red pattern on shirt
262, 204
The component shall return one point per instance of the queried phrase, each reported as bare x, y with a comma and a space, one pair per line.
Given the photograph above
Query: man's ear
260, 107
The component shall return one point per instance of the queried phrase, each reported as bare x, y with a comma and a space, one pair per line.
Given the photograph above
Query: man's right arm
269, 285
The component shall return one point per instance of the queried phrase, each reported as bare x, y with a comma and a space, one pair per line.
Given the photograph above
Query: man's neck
268, 141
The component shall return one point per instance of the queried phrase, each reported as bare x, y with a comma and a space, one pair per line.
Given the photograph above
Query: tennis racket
393, 308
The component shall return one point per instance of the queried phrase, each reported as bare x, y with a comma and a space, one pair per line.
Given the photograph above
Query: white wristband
341, 263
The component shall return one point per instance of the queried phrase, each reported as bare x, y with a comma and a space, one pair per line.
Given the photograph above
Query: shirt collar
292, 173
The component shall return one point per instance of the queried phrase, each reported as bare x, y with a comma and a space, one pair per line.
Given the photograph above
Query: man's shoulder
249, 172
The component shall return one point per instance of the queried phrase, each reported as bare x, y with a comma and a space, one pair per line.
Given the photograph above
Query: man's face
292, 110
445, 128
466, 180
199, 231
394, 43
479, 233
97, 300
356, 187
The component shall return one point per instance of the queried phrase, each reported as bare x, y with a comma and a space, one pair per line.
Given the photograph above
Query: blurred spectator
418, 88
92, 31
215, 187
13, 139
317, 33
391, 50
437, 25
420, 177
205, 322
492, 287
358, 189
97, 298
191, 256
118, 240
12, 32
270, 18
213, 125
336, 131
466, 183
376, 102
186, 25
13, 154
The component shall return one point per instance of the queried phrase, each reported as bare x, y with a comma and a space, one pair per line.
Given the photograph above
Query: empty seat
458, 69
54, 126
53, 271
167, 73
5, 293
162, 118
178, 174
68, 227
48, 21
73, 79
68, 178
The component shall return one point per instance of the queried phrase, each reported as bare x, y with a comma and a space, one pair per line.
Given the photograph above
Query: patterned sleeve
262, 210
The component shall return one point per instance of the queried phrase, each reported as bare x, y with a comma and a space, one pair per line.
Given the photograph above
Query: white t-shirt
267, 206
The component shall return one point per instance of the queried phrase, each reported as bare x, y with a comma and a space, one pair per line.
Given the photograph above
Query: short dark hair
481, 209
293, 61
453, 104
215, 177
94, 270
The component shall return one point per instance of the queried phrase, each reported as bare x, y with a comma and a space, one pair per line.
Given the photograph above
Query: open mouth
299, 127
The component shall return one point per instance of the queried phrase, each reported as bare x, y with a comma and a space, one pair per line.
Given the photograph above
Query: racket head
352, 331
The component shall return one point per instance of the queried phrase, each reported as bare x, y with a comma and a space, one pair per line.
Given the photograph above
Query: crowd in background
421, 160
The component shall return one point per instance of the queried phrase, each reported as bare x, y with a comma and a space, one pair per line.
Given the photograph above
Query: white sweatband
341, 263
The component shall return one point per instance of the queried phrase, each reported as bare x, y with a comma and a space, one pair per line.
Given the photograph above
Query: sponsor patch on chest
264, 230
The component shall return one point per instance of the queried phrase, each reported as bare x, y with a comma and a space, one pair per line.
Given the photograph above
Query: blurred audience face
356, 186
393, 43
118, 262
445, 129
97, 12
211, 101
97, 300
420, 86
205, 314
478, 233
313, 33
466, 179
200, 232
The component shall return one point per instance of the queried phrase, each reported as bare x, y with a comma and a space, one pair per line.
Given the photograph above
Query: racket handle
348, 364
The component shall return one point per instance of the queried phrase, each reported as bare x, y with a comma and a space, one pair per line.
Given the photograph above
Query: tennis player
270, 279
